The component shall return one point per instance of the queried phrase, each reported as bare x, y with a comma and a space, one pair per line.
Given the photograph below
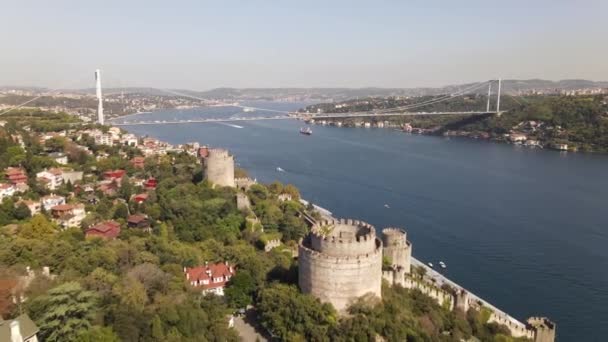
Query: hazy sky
205, 44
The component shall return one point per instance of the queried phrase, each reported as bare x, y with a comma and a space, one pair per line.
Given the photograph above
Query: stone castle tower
397, 248
339, 261
218, 167
544, 329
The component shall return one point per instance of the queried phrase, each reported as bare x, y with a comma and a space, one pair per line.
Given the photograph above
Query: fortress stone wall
218, 167
397, 276
339, 261
397, 248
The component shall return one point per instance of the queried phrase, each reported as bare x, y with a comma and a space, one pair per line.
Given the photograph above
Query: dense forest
133, 288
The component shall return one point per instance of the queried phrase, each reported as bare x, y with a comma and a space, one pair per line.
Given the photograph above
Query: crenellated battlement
313, 254
394, 237
359, 230
343, 238
219, 153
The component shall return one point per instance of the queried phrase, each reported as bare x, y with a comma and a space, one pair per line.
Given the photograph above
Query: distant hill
338, 94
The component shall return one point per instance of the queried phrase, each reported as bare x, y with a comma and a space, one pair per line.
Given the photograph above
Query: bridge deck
295, 116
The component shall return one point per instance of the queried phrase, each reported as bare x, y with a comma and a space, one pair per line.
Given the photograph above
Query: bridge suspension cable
39, 96
228, 104
439, 99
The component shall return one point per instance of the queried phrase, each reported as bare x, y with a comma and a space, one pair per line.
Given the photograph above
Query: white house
52, 178
59, 158
68, 215
129, 139
6, 190
51, 200
20, 329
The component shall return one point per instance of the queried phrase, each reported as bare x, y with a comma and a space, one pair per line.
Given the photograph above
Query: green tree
65, 312
126, 188
21, 211
16, 155
240, 289
98, 334
289, 314
121, 211
158, 333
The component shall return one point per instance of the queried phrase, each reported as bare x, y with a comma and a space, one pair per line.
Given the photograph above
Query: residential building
518, 137
104, 230
150, 184
20, 329
51, 178
129, 140
6, 190
211, 278
72, 176
103, 139
140, 198
138, 162
59, 158
33, 206
108, 187
16, 175
140, 221
68, 215
51, 200
114, 174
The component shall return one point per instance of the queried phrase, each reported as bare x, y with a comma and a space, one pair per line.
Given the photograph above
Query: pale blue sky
205, 44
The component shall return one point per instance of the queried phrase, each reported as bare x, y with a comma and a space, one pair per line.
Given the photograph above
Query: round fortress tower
339, 261
397, 248
218, 167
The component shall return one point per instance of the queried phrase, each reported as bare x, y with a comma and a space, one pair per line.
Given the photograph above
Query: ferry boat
306, 130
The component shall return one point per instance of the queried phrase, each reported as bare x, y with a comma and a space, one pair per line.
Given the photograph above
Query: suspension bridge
412, 109
273, 114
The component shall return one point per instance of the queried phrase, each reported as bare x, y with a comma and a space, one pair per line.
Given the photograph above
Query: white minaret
99, 97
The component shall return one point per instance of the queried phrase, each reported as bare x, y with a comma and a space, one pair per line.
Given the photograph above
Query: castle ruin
218, 167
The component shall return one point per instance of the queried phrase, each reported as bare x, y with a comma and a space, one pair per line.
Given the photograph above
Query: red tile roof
210, 276
151, 183
136, 218
107, 230
62, 207
113, 174
139, 198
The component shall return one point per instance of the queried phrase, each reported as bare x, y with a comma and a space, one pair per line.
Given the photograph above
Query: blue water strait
525, 229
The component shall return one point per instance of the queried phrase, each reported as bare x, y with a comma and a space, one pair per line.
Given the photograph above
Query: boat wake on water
230, 125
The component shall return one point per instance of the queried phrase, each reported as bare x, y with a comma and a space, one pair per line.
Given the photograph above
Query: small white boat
442, 264
387, 206
430, 264
280, 170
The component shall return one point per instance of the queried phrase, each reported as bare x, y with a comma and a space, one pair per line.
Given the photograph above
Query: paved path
248, 329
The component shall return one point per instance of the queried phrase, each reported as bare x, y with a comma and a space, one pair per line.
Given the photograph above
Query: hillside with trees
132, 287
581, 122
